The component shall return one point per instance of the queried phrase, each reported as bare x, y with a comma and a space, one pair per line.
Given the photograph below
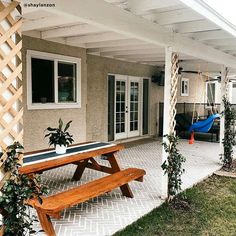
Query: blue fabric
205, 125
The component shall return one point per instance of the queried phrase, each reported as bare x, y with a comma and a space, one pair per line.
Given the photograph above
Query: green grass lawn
212, 212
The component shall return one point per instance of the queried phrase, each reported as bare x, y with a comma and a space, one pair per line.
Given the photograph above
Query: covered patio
112, 45
111, 212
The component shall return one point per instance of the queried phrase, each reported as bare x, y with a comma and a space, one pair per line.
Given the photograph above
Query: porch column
224, 91
170, 99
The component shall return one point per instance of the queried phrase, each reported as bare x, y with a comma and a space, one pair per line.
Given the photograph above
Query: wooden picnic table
83, 155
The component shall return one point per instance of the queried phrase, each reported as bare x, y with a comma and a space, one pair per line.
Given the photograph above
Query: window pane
42, 80
66, 82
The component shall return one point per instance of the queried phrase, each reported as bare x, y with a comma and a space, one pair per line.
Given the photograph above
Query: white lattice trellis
11, 111
174, 89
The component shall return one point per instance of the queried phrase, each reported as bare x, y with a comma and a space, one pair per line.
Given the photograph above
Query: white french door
127, 106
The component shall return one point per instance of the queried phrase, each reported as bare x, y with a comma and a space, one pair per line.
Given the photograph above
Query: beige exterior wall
98, 70
90, 121
36, 121
196, 89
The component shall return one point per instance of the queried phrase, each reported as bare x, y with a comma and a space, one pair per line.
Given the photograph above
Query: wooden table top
47, 159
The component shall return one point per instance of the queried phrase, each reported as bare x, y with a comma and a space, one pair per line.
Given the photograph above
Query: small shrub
17, 219
173, 166
229, 134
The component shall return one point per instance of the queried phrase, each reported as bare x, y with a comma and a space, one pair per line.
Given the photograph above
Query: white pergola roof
138, 30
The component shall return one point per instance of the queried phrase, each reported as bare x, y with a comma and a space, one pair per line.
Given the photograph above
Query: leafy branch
229, 134
173, 166
17, 218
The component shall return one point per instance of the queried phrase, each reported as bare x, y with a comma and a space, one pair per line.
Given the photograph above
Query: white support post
166, 116
224, 92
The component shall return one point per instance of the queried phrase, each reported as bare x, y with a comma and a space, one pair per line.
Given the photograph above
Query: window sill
41, 106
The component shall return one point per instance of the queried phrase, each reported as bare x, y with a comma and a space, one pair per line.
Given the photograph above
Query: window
184, 87
211, 93
53, 81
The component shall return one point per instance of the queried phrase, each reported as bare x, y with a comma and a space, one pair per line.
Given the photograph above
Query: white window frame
211, 82
56, 58
185, 80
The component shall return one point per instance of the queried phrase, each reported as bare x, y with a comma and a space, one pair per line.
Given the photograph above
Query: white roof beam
120, 49
177, 16
213, 34
71, 30
142, 58
141, 6
200, 65
137, 50
196, 26
221, 42
206, 11
107, 36
105, 15
46, 22
115, 43
227, 47
150, 57
114, 1
131, 56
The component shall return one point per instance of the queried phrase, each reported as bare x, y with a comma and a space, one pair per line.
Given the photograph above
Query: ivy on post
229, 134
172, 166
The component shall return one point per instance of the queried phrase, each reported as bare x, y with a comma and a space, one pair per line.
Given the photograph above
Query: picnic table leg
80, 170
46, 223
125, 189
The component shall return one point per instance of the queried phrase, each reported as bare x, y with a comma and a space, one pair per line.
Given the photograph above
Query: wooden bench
53, 205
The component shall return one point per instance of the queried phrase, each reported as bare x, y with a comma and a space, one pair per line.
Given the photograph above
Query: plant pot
60, 149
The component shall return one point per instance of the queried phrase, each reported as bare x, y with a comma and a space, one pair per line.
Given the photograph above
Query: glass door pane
120, 118
134, 106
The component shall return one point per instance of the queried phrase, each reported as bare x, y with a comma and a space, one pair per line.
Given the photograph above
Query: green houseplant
60, 137
17, 218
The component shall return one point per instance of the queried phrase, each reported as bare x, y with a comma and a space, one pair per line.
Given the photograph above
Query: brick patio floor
111, 212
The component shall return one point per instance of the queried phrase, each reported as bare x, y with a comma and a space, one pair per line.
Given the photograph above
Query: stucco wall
196, 89
90, 121
98, 68
36, 121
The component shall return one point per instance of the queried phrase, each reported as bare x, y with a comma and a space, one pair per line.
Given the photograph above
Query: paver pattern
111, 212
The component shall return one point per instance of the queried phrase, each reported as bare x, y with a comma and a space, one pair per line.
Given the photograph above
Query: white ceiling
173, 15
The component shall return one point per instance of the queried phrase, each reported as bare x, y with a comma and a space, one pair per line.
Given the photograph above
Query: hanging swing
202, 126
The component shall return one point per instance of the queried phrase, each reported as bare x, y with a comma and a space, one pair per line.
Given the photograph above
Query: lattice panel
11, 110
174, 89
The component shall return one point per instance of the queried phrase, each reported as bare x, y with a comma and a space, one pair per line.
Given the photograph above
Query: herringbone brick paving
111, 212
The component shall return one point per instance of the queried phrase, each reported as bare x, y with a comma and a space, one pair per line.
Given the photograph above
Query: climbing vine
173, 167
229, 134
17, 219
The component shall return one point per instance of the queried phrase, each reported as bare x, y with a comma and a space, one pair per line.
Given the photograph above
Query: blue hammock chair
205, 125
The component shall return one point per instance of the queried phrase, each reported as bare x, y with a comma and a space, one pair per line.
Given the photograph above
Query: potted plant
60, 137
